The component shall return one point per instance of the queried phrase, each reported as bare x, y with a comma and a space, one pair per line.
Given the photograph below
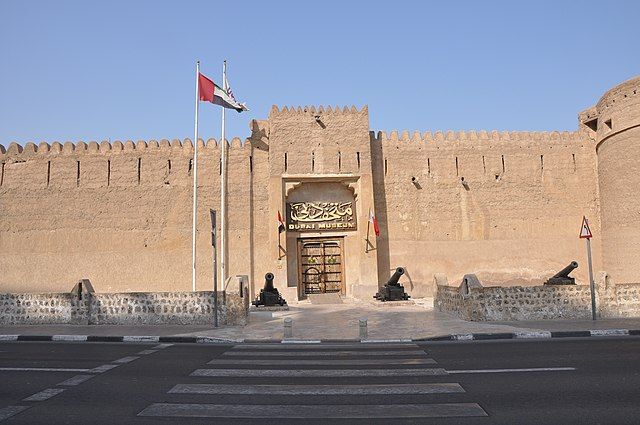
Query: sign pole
212, 213
585, 233
591, 283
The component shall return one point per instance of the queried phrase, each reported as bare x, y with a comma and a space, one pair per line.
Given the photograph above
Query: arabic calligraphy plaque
320, 216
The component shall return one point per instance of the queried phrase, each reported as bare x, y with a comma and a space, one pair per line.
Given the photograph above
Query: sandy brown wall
618, 135
516, 220
117, 214
316, 145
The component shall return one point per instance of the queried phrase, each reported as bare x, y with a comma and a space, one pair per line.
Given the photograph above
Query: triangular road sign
585, 232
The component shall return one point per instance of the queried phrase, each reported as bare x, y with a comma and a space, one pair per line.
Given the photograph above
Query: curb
214, 340
533, 335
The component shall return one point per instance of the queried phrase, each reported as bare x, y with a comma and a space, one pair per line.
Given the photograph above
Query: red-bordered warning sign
585, 232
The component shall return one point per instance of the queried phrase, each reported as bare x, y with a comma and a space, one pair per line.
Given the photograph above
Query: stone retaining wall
183, 308
538, 302
42, 309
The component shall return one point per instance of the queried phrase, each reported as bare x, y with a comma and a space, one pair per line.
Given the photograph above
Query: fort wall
506, 206
118, 214
615, 121
501, 205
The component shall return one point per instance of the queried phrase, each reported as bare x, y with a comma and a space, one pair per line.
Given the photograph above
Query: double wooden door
320, 266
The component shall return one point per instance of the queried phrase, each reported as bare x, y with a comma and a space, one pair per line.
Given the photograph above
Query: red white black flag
281, 226
208, 91
373, 220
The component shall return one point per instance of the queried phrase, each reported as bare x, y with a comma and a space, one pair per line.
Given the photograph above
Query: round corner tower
616, 123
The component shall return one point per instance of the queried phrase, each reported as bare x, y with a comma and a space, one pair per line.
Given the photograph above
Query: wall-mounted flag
373, 220
281, 226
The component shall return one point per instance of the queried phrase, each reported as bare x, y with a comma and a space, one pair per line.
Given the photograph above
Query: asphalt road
566, 381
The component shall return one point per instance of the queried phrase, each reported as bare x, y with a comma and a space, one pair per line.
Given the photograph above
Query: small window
592, 124
608, 123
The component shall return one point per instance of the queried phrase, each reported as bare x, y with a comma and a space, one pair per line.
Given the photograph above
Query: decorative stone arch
292, 183
321, 188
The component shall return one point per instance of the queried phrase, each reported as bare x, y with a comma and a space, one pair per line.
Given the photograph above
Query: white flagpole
223, 190
195, 184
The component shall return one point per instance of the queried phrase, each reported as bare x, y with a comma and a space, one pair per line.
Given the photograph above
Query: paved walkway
337, 321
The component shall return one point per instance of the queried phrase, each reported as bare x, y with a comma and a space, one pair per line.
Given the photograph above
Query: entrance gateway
320, 266
325, 244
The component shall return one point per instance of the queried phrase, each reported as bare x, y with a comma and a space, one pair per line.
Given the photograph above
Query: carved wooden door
320, 264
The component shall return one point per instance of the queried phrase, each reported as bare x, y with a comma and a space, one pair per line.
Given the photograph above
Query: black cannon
392, 290
562, 277
269, 295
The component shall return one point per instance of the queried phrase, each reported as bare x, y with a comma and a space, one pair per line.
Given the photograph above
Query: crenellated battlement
624, 93
325, 110
105, 147
481, 135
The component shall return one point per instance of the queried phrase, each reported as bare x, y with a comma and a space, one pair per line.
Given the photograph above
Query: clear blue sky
97, 70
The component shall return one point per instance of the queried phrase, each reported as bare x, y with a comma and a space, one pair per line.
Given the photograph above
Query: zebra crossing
317, 381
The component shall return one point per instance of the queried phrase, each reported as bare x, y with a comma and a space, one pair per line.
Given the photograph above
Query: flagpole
279, 238
195, 185
367, 238
223, 190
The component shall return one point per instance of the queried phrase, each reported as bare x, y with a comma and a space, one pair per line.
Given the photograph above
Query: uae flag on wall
281, 227
209, 91
373, 220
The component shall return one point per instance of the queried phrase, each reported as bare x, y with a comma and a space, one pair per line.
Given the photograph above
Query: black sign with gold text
320, 216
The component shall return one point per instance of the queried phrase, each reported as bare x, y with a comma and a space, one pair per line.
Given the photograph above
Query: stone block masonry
42, 309
539, 302
136, 308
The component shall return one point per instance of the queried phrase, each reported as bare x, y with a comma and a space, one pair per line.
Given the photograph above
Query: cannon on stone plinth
392, 290
269, 295
562, 277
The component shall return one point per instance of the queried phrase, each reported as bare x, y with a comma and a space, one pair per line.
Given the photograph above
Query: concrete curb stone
214, 340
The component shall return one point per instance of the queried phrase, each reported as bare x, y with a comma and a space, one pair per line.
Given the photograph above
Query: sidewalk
338, 322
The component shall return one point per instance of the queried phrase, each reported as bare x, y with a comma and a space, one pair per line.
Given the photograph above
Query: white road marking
320, 362
103, 368
314, 411
609, 332
163, 345
69, 338
463, 337
214, 340
144, 352
535, 334
127, 359
307, 373
376, 389
9, 338
78, 379
325, 353
44, 394
7, 412
140, 338
40, 369
532, 369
